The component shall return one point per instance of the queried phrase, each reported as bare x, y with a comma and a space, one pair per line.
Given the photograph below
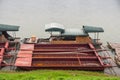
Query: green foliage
55, 75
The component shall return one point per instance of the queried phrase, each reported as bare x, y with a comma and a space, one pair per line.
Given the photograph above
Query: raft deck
59, 56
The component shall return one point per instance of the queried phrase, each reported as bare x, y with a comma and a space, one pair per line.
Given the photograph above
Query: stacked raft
69, 49
115, 47
59, 56
3, 47
7, 52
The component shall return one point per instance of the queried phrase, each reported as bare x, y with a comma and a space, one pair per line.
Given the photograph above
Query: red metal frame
29, 47
25, 54
2, 51
6, 45
23, 62
59, 56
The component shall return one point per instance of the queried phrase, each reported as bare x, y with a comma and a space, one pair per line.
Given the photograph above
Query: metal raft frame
7, 52
59, 56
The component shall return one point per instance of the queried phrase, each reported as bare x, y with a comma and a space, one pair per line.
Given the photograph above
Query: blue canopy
54, 27
4, 27
0, 33
90, 29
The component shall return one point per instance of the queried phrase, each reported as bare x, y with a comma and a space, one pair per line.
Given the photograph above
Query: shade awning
4, 27
0, 33
90, 29
74, 32
54, 27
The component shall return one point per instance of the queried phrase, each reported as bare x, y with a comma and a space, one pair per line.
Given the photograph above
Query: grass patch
55, 75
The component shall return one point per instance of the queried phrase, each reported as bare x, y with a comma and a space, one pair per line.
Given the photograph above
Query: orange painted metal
28, 47
23, 62
1, 57
91, 46
2, 51
0, 61
25, 54
6, 45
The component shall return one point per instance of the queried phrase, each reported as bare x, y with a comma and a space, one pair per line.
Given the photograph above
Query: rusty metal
59, 56
66, 62
64, 54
